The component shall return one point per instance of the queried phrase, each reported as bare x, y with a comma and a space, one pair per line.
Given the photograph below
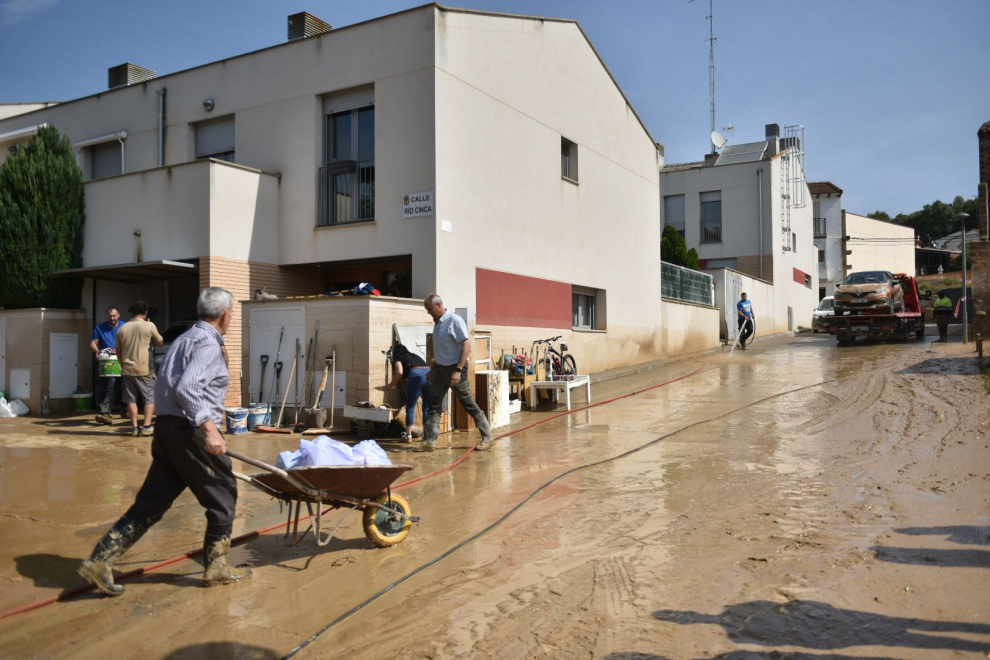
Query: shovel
261, 381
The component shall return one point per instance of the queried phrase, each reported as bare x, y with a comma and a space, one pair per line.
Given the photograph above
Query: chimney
710, 160
772, 133
126, 74
304, 25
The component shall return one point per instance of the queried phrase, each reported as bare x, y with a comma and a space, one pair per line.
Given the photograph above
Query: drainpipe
120, 138
759, 175
161, 126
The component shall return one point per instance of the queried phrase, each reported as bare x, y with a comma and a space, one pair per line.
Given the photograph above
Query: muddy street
798, 497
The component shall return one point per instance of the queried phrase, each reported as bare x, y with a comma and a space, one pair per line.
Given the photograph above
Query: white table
561, 386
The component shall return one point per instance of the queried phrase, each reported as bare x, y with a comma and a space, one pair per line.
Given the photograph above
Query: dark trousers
179, 461
438, 390
104, 394
942, 321
747, 331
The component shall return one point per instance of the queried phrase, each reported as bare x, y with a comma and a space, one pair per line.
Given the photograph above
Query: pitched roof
680, 167
824, 188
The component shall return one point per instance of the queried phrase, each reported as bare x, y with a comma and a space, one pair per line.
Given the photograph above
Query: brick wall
242, 279
984, 141
979, 255
751, 266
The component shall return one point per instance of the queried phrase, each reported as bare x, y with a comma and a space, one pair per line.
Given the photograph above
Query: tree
880, 215
937, 219
674, 250
41, 223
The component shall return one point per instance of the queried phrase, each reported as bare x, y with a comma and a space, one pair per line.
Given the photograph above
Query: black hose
360, 606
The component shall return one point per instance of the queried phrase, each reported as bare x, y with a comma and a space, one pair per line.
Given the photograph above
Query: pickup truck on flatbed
882, 324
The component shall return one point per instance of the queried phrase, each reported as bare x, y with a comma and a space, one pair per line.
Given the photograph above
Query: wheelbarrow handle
292, 479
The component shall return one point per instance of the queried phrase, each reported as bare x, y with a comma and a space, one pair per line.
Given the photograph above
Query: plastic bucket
82, 402
109, 367
237, 420
258, 414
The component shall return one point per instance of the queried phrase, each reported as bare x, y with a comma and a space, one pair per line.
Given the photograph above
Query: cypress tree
674, 250
41, 223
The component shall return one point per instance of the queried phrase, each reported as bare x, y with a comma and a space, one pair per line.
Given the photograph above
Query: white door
264, 326
3, 353
63, 364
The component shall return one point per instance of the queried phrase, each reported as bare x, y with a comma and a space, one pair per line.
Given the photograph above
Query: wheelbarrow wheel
379, 526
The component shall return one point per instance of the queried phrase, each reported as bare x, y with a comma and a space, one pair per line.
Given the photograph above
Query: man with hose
746, 320
187, 450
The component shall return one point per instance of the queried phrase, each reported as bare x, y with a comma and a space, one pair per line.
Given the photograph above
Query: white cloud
14, 11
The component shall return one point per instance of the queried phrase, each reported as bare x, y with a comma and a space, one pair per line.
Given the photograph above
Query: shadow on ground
820, 626
223, 651
962, 534
932, 557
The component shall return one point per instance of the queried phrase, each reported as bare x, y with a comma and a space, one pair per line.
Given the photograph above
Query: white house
489, 157
876, 245
748, 209
827, 210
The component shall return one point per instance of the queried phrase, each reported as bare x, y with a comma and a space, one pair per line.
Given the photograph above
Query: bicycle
555, 362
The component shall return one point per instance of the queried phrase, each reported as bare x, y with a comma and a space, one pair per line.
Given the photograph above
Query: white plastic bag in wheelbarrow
327, 451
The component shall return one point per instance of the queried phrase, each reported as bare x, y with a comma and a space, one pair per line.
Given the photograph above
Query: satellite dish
718, 140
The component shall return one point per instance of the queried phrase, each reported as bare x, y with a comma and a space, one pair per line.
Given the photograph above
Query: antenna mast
711, 65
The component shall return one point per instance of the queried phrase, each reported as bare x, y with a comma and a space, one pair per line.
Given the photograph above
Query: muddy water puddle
744, 515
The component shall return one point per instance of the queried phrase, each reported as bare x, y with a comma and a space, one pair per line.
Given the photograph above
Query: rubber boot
216, 546
98, 569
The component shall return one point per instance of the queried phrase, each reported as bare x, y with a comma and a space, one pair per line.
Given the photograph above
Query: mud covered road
796, 499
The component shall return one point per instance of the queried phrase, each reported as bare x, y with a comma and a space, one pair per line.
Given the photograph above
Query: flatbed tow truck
880, 325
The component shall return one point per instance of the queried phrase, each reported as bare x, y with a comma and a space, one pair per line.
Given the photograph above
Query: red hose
65, 595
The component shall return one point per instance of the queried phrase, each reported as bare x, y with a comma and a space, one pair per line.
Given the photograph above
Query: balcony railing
347, 193
820, 228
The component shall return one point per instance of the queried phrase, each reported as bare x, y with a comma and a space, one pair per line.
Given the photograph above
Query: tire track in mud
867, 391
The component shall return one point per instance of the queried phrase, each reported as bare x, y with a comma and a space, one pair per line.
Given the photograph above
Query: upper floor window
568, 159
106, 159
347, 178
673, 212
215, 139
711, 217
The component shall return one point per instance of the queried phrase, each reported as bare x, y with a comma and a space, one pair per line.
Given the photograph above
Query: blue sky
891, 92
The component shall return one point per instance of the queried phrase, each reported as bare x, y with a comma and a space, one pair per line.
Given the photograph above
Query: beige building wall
13, 109
508, 90
28, 336
878, 245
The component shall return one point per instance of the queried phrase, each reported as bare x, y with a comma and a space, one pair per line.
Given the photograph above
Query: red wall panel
531, 302
799, 276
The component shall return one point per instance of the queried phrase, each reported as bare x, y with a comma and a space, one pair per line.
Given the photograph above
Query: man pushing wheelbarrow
187, 450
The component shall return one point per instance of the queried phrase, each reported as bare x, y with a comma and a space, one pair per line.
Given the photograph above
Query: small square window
587, 308
568, 160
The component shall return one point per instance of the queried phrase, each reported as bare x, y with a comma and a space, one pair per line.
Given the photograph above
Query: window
568, 160
105, 159
673, 212
730, 262
347, 179
821, 256
711, 217
587, 308
793, 242
215, 139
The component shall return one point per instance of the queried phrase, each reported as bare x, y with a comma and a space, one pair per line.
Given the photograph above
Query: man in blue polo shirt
746, 319
451, 349
105, 336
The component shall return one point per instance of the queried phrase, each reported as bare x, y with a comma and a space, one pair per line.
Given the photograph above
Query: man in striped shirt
187, 450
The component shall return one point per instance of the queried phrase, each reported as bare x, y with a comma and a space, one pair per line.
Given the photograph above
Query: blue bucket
258, 414
237, 420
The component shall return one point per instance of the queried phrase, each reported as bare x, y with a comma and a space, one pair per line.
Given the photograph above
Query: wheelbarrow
387, 518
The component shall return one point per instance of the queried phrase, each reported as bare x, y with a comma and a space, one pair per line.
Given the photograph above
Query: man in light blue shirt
451, 349
746, 319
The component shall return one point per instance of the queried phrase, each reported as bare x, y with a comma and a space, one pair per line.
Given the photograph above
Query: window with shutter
347, 178
105, 160
711, 217
215, 139
673, 212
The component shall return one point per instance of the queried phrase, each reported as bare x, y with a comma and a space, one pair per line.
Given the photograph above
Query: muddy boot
425, 445
486, 443
98, 569
218, 571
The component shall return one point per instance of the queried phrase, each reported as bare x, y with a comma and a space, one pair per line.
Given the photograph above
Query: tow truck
883, 325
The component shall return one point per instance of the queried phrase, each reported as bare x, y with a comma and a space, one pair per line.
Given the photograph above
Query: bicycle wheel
570, 365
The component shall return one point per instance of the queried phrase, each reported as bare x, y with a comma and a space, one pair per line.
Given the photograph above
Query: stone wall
979, 254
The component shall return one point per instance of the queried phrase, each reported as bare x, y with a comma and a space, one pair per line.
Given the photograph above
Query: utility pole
711, 66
